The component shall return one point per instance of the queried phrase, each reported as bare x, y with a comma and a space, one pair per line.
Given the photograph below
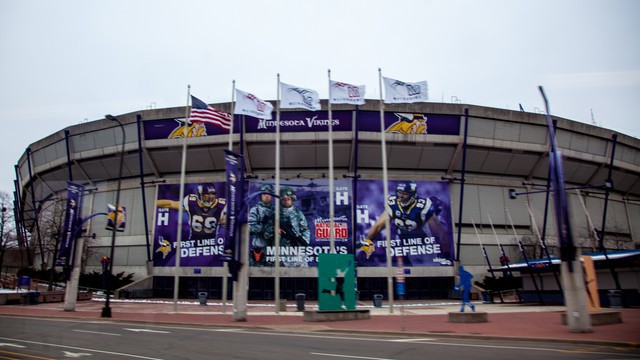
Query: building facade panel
507, 149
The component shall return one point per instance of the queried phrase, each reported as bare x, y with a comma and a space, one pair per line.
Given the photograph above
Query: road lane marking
21, 354
415, 340
148, 330
75, 355
12, 345
79, 348
349, 356
97, 332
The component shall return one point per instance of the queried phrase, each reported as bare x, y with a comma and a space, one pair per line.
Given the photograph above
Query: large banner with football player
420, 222
203, 218
304, 222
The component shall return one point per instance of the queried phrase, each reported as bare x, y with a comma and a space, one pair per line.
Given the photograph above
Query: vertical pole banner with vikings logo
304, 222
233, 163
421, 231
71, 216
203, 237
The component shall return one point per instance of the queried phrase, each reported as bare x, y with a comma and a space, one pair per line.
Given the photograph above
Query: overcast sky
65, 62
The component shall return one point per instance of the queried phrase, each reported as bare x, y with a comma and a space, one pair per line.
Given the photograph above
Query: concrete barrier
51, 296
337, 315
599, 318
85, 295
468, 317
44, 297
11, 298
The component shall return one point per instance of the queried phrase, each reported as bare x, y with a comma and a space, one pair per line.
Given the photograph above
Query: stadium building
502, 155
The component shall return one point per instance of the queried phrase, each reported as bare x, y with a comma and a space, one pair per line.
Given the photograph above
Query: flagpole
385, 180
502, 253
276, 230
543, 245
176, 275
486, 257
525, 257
331, 185
225, 266
233, 91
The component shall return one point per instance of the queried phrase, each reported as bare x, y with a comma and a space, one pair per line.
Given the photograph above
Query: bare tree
51, 220
8, 238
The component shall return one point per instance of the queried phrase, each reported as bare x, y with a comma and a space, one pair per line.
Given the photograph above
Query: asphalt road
32, 338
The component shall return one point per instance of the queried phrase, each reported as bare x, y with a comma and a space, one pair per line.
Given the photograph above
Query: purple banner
410, 123
174, 129
119, 217
71, 217
233, 163
304, 221
313, 121
302, 121
420, 220
203, 239
561, 207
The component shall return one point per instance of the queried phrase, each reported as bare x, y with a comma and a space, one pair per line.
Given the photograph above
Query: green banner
336, 282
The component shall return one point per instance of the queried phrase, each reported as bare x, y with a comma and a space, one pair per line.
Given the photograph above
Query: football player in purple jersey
206, 211
414, 218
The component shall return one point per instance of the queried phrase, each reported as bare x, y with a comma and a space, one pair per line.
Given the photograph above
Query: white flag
342, 93
249, 104
296, 97
396, 91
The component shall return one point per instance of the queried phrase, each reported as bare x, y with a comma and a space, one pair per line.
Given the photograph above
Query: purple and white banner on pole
233, 163
72, 215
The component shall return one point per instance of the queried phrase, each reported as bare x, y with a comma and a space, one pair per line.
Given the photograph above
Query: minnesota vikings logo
115, 219
195, 129
409, 124
164, 247
367, 246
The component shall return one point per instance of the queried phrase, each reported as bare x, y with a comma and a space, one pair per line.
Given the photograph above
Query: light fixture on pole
106, 310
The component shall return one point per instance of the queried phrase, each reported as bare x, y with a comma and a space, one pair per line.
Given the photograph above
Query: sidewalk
507, 321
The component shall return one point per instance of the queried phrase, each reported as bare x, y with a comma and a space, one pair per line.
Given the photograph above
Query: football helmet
287, 192
409, 188
266, 188
436, 204
206, 190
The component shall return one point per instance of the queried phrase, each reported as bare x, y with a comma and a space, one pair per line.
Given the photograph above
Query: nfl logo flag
343, 93
397, 91
201, 112
249, 104
297, 97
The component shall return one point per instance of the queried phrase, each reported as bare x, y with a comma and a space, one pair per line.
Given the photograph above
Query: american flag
201, 112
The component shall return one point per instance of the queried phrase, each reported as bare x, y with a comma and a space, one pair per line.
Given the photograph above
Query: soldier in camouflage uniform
294, 229
261, 224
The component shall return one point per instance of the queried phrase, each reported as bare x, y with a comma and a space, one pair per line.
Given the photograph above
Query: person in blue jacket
465, 284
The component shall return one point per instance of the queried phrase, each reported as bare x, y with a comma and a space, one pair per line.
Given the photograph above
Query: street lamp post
106, 310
